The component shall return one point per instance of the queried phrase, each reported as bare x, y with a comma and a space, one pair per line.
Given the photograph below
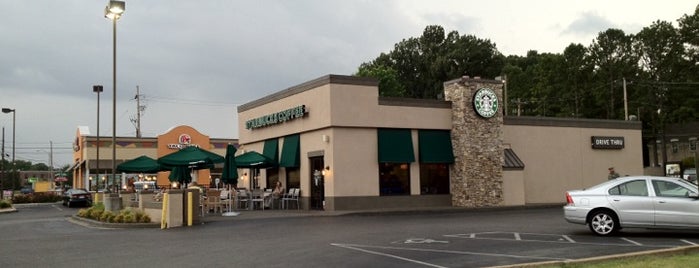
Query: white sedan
638, 201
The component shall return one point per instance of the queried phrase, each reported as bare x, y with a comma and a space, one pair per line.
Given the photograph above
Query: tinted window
632, 188
669, 189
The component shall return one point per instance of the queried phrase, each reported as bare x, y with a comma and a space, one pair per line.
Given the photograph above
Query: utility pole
139, 109
138, 112
51, 159
626, 102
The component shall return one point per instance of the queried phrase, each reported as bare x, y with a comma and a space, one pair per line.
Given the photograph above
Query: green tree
577, 72
661, 51
613, 58
689, 33
418, 67
389, 83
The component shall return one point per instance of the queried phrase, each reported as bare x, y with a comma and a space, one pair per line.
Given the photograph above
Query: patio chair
258, 197
242, 198
225, 195
292, 196
213, 200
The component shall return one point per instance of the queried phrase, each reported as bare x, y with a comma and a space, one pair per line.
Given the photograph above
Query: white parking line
689, 242
568, 238
631, 241
563, 239
386, 255
360, 248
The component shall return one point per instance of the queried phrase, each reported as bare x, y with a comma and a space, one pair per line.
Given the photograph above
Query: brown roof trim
426, 103
324, 80
570, 122
477, 79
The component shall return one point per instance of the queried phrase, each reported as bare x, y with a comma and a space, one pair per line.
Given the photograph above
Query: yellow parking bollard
189, 208
163, 221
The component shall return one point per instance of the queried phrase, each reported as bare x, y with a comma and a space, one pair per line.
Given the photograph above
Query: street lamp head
8, 110
97, 88
114, 10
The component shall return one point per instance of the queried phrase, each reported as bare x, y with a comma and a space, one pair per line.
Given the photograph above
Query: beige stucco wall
348, 114
513, 188
558, 158
348, 110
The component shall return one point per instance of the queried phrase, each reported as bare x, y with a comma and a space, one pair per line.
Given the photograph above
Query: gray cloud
195, 61
588, 23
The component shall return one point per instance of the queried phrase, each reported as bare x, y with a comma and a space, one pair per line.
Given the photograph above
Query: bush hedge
128, 215
36, 198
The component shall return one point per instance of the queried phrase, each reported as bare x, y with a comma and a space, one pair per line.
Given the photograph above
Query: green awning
395, 146
271, 150
290, 152
435, 146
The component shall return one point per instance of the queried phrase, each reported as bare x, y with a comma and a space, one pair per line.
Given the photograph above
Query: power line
190, 101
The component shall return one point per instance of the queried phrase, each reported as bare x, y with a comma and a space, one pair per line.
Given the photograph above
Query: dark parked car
26, 190
77, 196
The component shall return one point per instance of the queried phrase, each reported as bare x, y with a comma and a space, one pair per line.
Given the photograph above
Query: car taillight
569, 199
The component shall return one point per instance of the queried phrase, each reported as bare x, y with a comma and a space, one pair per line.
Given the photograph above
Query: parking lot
506, 248
426, 239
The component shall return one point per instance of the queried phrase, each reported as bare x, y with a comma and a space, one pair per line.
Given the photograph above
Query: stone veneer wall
476, 176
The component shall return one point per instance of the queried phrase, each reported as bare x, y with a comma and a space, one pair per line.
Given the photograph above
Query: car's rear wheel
603, 222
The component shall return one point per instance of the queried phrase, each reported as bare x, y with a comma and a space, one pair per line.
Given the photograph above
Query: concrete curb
8, 210
93, 223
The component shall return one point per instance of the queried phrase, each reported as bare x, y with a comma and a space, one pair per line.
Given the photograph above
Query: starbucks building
347, 148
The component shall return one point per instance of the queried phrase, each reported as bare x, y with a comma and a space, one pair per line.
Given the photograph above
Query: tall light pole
97, 89
113, 11
7, 111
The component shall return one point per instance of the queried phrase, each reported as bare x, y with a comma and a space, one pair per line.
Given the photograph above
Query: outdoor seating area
222, 200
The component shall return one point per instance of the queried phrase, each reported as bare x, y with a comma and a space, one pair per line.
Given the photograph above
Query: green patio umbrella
141, 164
230, 176
254, 159
190, 157
230, 169
180, 174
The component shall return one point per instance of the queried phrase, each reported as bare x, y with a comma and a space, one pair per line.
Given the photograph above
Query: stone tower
477, 138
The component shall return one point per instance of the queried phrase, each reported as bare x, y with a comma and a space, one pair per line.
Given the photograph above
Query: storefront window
293, 178
272, 177
434, 179
394, 178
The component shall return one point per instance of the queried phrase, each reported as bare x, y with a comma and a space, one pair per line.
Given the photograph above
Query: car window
669, 189
632, 188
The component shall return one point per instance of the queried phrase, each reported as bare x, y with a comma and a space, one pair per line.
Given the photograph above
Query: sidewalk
279, 213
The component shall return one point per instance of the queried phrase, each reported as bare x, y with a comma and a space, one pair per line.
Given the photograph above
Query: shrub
96, 214
39, 197
107, 216
128, 215
84, 212
5, 204
99, 206
21, 199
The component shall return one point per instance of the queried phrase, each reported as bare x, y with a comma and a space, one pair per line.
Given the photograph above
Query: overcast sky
196, 61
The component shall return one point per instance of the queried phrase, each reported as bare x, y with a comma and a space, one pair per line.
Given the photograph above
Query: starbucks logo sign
485, 102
